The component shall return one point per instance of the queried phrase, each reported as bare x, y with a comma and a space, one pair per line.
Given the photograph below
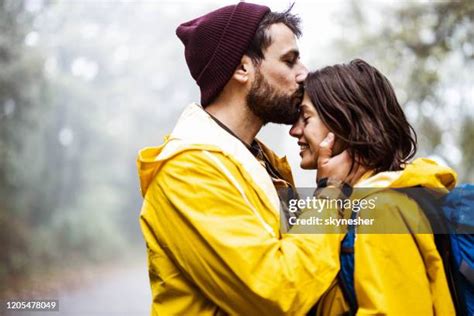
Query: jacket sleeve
399, 271
220, 245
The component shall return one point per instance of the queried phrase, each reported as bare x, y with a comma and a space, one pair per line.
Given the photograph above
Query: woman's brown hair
357, 103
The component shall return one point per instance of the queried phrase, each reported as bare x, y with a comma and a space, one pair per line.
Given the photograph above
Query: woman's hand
337, 167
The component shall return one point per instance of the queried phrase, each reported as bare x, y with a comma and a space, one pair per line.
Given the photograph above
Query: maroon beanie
215, 43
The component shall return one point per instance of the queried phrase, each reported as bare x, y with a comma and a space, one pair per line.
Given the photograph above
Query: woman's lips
303, 147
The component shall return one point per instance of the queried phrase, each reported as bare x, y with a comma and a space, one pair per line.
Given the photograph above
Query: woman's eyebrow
303, 107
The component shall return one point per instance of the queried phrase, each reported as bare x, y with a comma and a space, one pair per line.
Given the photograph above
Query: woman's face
310, 131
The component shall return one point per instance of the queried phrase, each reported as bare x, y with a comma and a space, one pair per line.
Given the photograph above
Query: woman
394, 274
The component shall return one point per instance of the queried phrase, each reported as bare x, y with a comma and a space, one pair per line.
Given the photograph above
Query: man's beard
272, 106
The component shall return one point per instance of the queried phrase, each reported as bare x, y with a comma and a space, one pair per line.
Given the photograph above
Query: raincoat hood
422, 172
148, 165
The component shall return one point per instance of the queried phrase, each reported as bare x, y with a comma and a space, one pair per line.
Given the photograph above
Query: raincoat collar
196, 129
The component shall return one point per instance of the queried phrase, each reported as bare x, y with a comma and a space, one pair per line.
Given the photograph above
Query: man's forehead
283, 40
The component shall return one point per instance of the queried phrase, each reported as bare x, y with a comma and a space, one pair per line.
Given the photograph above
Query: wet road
122, 291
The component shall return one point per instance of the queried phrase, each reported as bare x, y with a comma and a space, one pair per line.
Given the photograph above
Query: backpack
452, 221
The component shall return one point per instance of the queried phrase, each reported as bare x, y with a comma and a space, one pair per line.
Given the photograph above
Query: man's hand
337, 167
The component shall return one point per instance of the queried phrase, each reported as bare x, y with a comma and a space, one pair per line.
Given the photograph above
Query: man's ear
245, 70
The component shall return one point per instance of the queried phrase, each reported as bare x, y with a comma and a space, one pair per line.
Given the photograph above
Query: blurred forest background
85, 84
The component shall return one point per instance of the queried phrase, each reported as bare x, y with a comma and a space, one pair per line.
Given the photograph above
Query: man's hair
357, 103
262, 40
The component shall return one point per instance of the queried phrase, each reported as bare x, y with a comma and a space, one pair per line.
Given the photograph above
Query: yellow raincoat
397, 274
210, 219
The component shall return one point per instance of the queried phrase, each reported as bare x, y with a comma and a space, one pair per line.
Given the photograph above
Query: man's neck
238, 118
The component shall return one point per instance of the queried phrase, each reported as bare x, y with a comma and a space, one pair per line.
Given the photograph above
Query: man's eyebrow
293, 54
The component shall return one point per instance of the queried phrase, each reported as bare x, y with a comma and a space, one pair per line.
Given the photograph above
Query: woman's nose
297, 129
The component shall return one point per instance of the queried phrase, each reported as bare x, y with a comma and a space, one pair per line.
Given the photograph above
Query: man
210, 215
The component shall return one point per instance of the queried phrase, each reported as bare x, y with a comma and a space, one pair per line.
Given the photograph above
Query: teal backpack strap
346, 274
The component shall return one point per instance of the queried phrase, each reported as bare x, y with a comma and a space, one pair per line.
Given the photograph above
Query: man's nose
302, 73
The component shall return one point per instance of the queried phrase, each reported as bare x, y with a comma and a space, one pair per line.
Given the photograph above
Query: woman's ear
245, 70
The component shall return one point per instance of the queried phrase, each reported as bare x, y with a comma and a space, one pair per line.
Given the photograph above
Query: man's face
277, 88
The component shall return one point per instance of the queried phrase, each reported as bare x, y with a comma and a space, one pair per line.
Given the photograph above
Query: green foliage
81, 91
427, 51
22, 96
53, 206
84, 85
467, 144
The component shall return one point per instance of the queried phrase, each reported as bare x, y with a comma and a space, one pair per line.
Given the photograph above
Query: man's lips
297, 96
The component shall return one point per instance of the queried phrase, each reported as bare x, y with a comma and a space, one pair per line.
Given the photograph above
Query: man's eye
290, 63
305, 119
